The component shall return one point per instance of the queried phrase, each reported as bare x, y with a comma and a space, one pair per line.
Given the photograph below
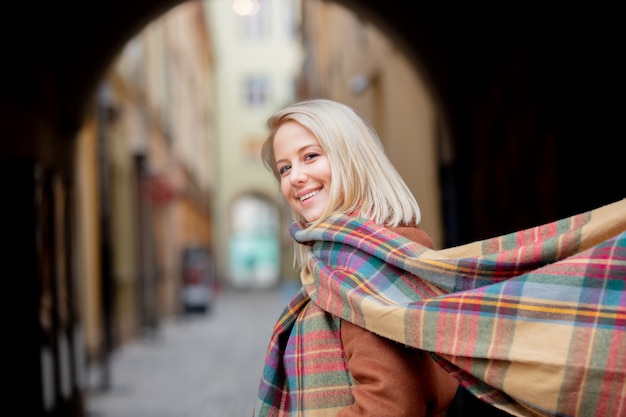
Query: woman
531, 323
328, 160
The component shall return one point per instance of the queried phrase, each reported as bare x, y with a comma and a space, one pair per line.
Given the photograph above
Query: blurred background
135, 195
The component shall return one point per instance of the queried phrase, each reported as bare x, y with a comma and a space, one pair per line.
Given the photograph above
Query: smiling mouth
309, 195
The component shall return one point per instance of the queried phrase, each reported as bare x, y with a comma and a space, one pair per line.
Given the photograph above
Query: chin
310, 218
313, 218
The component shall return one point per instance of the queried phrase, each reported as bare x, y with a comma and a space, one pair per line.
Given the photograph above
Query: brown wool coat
394, 380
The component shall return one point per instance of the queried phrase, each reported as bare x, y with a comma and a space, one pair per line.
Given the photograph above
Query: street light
246, 7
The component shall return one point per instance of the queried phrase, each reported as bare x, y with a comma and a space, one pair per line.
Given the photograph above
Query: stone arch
532, 95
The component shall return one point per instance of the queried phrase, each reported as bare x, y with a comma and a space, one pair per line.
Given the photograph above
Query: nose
297, 175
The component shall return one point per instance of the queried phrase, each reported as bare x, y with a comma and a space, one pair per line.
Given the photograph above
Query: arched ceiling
59, 51
55, 53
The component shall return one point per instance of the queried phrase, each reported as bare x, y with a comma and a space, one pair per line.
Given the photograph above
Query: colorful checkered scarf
532, 322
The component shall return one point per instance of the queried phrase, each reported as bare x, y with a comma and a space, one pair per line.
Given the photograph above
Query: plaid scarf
532, 322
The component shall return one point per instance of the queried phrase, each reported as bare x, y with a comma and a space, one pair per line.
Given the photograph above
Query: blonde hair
364, 181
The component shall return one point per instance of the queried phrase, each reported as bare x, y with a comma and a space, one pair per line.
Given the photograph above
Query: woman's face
304, 170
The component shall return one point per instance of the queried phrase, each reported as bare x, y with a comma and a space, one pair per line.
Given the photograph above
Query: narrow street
197, 366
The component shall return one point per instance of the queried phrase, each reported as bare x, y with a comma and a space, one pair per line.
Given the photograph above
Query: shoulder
414, 233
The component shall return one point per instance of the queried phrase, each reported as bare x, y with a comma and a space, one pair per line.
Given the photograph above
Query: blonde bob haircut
364, 181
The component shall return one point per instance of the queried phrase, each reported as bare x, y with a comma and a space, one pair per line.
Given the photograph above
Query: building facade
257, 61
351, 60
146, 182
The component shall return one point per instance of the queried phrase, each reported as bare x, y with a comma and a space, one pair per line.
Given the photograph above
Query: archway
532, 98
255, 255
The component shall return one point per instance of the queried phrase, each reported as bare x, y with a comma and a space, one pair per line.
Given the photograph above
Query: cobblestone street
198, 366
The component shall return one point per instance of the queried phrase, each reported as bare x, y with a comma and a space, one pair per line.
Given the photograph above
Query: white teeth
309, 195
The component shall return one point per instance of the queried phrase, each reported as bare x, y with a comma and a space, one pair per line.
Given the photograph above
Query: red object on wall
160, 190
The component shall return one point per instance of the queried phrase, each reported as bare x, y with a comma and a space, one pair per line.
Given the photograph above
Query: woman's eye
310, 156
283, 170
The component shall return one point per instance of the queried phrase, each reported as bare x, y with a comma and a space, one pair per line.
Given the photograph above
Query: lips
308, 195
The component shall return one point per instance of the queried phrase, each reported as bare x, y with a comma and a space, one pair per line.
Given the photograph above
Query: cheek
327, 172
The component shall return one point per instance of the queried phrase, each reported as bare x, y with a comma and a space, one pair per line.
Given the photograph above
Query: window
256, 90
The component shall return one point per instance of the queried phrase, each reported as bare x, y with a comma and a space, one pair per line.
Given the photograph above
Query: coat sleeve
394, 380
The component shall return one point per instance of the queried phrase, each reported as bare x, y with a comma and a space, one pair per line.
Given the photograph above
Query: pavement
201, 365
